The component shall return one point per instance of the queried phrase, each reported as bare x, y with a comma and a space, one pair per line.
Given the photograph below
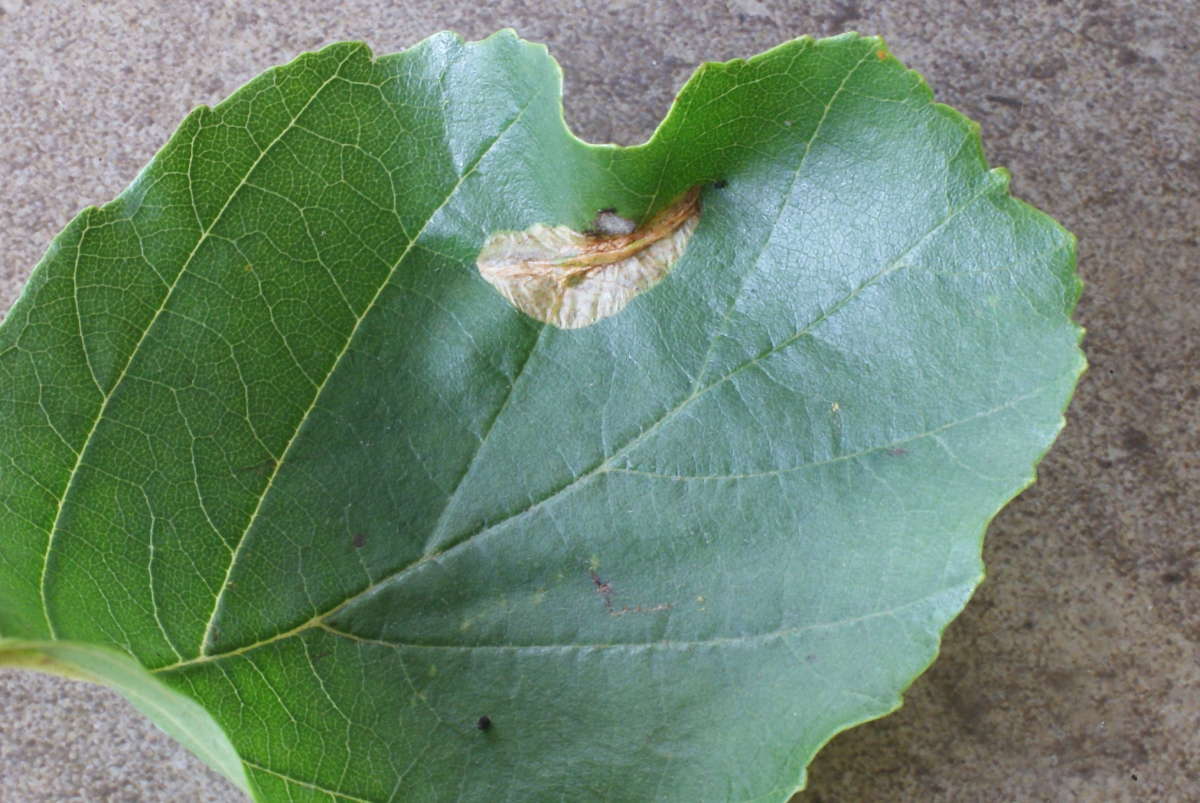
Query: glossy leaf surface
266, 430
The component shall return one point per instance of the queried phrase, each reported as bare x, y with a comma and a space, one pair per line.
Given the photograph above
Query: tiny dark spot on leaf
1134, 777
484, 722
321, 655
720, 184
1171, 578
359, 540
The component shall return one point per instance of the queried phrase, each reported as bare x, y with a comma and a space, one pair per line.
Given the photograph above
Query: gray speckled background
1074, 674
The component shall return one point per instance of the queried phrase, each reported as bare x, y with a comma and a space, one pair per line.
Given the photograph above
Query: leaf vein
662, 644
54, 528
931, 433
452, 497
306, 784
206, 639
783, 204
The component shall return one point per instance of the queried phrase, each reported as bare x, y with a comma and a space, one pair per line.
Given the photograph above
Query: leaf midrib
662, 644
605, 467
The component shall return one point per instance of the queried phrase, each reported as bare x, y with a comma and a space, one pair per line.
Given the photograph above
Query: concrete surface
1075, 672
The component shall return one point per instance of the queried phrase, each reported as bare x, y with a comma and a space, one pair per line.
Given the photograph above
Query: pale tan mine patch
572, 279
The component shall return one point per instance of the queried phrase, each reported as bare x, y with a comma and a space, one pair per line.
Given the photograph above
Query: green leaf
175, 713
267, 430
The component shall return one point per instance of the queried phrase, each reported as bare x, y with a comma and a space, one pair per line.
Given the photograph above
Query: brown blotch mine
572, 279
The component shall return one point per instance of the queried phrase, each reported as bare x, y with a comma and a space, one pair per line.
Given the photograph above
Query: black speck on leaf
484, 722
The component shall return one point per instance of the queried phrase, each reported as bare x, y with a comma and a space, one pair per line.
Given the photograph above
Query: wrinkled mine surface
572, 279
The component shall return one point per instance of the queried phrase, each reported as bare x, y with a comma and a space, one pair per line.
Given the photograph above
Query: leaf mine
573, 279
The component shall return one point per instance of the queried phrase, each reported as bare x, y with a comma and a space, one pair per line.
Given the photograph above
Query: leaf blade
355, 484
